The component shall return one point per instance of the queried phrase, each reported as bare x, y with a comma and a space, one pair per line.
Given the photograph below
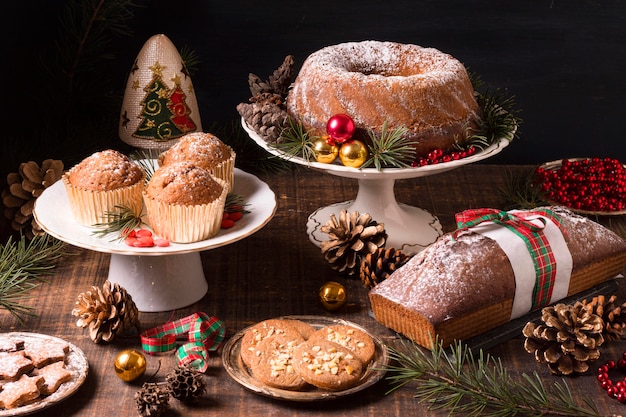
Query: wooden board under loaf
464, 284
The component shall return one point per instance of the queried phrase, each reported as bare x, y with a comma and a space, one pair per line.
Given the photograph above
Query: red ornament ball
340, 127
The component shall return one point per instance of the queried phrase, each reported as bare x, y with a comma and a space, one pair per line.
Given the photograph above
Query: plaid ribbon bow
536, 242
205, 334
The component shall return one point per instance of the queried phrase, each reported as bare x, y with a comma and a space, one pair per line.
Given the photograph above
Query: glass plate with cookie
44, 370
240, 357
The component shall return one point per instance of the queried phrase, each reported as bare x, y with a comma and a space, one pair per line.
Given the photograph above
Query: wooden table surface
276, 272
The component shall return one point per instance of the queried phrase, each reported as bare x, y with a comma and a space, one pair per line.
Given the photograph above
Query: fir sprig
522, 192
22, 267
146, 159
499, 119
121, 221
296, 141
479, 385
391, 149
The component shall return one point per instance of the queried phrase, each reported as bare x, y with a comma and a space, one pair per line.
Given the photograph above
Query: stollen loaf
495, 267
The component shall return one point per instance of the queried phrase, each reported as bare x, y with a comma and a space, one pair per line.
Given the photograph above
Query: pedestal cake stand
158, 278
409, 228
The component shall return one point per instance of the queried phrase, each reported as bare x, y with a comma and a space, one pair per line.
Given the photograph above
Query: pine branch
22, 266
522, 192
122, 222
391, 149
296, 141
479, 385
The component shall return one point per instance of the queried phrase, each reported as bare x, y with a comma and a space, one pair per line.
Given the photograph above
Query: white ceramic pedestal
409, 229
158, 278
160, 283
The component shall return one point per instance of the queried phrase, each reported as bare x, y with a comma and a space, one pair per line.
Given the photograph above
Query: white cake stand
409, 229
158, 278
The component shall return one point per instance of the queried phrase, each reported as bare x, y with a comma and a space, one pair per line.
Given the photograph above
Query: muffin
184, 202
102, 181
205, 151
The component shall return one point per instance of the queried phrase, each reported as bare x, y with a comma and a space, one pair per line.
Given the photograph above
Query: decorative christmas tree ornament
340, 128
353, 153
332, 295
325, 150
129, 365
159, 102
24, 187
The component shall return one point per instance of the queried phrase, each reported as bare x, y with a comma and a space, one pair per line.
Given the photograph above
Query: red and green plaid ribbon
204, 334
536, 242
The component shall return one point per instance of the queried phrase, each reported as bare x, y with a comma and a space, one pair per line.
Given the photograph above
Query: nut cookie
305, 329
359, 342
262, 330
327, 365
272, 363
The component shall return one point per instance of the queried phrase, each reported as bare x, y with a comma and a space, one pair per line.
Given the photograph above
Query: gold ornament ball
325, 152
353, 154
332, 295
129, 365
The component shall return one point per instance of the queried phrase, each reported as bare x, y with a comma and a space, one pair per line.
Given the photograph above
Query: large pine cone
351, 238
24, 187
266, 116
151, 400
378, 265
186, 383
569, 339
614, 316
277, 83
107, 311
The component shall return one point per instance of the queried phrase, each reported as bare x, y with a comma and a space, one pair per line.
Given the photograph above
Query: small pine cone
25, 186
378, 265
151, 400
567, 341
278, 82
186, 383
107, 311
614, 316
351, 238
266, 118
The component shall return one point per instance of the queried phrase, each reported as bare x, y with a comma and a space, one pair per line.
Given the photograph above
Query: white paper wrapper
226, 170
90, 207
186, 224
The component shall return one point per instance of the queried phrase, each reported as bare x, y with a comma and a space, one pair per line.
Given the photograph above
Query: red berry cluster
617, 389
232, 214
592, 184
437, 156
143, 238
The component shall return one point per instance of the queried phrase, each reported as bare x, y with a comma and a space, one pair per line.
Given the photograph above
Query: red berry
227, 223
235, 215
143, 232
144, 242
161, 242
130, 241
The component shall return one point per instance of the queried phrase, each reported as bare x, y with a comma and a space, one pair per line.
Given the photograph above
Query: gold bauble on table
325, 151
353, 154
332, 295
130, 364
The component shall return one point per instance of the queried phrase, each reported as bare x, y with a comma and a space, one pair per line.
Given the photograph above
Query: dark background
563, 60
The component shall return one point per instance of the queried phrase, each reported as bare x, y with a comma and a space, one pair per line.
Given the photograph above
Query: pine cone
569, 339
107, 311
378, 265
265, 117
24, 187
186, 383
351, 238
614, 316
151, 400
278, 82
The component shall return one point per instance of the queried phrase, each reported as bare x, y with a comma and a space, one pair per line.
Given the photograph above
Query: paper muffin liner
186, 223
89, 207
225, 170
